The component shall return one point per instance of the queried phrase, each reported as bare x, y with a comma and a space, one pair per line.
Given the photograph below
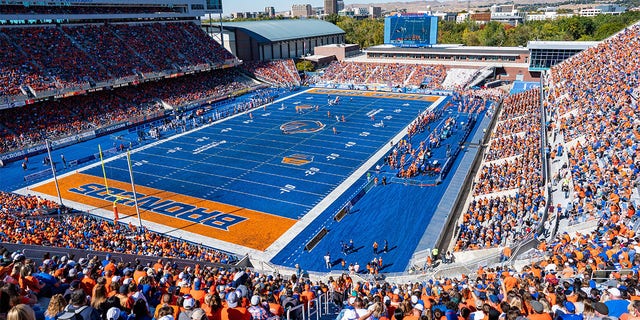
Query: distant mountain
445, 5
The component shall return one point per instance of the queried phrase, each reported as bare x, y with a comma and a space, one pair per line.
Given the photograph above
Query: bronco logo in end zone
240, 226
301, 126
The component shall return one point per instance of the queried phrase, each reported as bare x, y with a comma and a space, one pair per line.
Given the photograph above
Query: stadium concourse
570, 160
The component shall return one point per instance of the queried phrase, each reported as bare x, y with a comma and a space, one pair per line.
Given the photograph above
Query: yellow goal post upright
119, 197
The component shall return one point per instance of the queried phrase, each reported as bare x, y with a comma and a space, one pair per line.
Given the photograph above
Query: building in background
611, 9
375, 12
301, 10
411, 30
354, 12
244, 15
462, 17
508, 14
545, 54
278, 39
547, 13
445, 16
330, 7
340, 5
339, 51
480, 17
270, 12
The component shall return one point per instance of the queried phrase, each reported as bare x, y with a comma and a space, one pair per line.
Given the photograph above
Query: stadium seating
14, 205
31, 124
53, 57
277, 72
89, 233
35, 9
508, 192
114, 54
559, 285
17, 70
590, 112
391, 74
593, 115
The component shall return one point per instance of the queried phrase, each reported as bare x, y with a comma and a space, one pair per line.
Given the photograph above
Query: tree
470, 38
304, 65
333, 18
576, 26
492, 35
366, 32
518, 36
605, 30
369, 32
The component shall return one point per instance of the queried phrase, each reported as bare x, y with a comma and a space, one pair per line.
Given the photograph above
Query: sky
229, 6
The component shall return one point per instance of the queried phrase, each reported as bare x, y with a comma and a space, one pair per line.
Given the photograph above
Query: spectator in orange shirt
233, 311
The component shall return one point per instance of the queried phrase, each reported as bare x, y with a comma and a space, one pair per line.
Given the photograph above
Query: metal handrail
316, 307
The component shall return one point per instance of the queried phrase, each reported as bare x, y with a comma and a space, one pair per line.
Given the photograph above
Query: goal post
120, 197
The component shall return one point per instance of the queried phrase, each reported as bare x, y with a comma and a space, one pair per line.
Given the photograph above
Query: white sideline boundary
308, 218
277, 245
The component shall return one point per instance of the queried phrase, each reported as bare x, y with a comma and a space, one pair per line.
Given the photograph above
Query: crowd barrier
36, 253
314, 309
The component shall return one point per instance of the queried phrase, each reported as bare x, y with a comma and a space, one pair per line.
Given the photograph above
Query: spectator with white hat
616, 304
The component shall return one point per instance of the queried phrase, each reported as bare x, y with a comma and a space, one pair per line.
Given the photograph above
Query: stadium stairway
83, 49
292, 72
406, 81
116, 35
481, 75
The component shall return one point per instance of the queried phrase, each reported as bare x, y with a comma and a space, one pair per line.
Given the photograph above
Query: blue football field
276, 176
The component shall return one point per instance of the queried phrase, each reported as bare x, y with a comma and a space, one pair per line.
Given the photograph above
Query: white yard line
308, 218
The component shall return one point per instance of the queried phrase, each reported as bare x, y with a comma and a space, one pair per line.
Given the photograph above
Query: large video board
411, 30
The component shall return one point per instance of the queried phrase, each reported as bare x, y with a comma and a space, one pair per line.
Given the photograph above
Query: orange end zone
240, 226
376, 94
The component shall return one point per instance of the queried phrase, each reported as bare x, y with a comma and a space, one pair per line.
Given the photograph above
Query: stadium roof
282, 30
451, 49
562, 45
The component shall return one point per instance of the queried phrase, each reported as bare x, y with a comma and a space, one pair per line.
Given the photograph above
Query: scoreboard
213, 6
411, 30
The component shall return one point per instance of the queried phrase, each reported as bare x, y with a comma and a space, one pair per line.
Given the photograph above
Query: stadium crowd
598, 127
24, 206
26, 220
35, 9
278, 72
410, 158
55, 119
593, 114
507, 203
560, 285
56, 57
392, 74
105, 289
